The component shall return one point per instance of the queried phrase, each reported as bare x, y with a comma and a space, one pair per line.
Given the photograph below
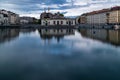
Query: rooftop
102, 11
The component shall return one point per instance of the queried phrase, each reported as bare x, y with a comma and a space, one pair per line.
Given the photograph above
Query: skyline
67, 7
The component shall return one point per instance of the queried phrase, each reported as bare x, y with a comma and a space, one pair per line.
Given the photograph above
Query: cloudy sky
67, 7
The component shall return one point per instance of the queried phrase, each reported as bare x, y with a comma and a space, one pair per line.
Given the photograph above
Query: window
46, 30
61, 22
54, 22
71, 22
57, 22
66, 22
61, 30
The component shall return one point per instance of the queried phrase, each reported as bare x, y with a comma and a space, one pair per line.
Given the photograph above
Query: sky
34, 8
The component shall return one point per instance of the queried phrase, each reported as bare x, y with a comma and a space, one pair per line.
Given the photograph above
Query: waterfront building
4, 17
1, 18
5, 20
10, 18
27, 20
55, 21
81, 19
101, 17
13, 18
114, 15
48, 18
98, 17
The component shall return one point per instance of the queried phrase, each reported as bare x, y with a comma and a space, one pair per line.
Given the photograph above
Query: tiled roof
102, 11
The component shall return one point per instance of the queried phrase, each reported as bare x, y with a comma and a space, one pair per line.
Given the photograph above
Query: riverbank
80, 26
10, 26
38, 26
98, 26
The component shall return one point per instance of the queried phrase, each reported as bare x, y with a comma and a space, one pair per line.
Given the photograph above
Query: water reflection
48, 34
110, 36
8, 34
73, 58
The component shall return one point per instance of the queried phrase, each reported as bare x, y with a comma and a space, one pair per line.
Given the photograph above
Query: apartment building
98, 17
27, 20
13, 18
114, 15
4, 17
9, 18
81, 19
104, 16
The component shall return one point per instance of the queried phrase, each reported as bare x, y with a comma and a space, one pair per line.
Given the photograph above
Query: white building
6, 19
1, 18
13, 18
26, 20
50, 19
22, 21
62, 21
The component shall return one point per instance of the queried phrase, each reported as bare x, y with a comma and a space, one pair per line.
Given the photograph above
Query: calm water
59, 54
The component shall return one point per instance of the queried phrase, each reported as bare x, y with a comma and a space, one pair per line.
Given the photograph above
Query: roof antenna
48, 9
45, 10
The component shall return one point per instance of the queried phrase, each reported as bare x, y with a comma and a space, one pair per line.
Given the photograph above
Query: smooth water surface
50, 54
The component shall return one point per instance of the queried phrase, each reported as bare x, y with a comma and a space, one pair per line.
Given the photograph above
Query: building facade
1, 18
114, 16
13, 18
48, 18
81, 19
9, 18
98, 17
63, 22
27, 20
104, 16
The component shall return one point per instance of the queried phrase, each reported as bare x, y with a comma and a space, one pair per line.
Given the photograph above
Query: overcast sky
67, 7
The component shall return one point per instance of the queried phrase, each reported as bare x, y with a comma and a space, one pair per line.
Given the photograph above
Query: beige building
114, 16
14, 18
98, 17
104, 16
81, 19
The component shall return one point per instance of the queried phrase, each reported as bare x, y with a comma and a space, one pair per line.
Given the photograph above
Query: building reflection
8, 34
27, 30
110, 36
48, 34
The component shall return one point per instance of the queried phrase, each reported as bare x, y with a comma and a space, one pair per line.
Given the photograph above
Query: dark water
59, 54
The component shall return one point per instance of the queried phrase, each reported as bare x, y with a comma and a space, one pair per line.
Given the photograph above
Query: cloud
68, 7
